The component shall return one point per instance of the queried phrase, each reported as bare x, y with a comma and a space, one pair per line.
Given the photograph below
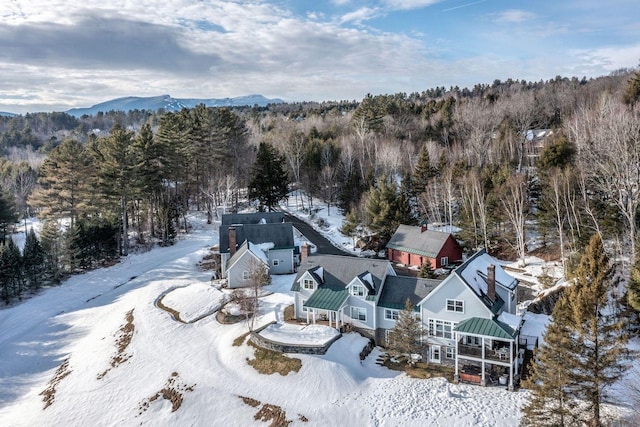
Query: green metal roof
328, 298
486, 327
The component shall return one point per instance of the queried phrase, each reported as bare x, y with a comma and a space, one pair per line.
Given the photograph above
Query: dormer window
357, 290
308, 284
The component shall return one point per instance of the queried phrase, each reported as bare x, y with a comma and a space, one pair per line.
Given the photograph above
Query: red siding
451, 249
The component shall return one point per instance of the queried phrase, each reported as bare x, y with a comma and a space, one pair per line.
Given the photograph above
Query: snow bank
194, 301
296, 334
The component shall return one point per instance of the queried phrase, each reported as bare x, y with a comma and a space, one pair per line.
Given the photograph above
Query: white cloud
409, 4
359, 15
515, 16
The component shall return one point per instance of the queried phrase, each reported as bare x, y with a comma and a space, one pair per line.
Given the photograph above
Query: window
435, 353
276, 262
304, 309
475, 341
444, 261
441, 328
359, 313
450, 352
390, 314
245, 275
455, 305
308, 284
357, 290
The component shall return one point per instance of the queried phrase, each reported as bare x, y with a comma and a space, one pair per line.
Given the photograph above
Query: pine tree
385, 208
583, 350
7, 215
33, 258
10, 270
405, 336
426, 271
51, 240
350, 225
115, 162
633, 287
552, 402
632, 92
599, 339
66, 188
269, 180
423, 171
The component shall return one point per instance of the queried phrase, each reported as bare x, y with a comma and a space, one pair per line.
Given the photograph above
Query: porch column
483, 381
511, 365
314, 316
456, 376
307, 316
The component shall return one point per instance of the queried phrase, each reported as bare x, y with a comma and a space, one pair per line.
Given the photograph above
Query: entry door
434, 351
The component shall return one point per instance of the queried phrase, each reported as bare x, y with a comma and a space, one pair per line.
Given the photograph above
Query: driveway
323, 245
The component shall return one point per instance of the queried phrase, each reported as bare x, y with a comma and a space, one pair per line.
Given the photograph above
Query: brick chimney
491, 282
232, 240
305, 250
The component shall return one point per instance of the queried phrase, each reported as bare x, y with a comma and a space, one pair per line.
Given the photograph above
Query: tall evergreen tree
33, 257
7, 215
583, 350
51, 240
423, 171
10, 271
66, 188
115, 161
405, 336
599, 339
269, 179
553, 402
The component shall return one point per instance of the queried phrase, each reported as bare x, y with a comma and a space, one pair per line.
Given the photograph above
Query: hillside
66, 344
168, 103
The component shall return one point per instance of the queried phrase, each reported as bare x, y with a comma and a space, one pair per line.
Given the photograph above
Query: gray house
265, 236
468, 318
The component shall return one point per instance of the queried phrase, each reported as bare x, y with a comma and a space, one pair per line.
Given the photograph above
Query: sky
61, 54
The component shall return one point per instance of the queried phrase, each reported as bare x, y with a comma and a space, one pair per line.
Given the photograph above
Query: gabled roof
412, 239
486, 327
248, 247
253, 218
338, 271
474, 272
397, 289
280, 234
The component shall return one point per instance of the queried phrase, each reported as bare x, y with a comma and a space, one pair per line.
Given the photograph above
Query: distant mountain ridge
168, 103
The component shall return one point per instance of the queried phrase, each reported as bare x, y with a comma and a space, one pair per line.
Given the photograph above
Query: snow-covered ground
101, 352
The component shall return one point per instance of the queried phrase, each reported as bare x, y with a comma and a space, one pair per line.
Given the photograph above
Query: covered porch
486, 352
327, 305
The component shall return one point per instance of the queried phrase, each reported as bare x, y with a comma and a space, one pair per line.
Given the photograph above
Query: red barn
414, 246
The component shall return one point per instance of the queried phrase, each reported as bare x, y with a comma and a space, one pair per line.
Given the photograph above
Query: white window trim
304, 309
444, 261
447, 328
307, 282
357, 311
358, 288
391, 314
450, 353
455, 304
245, 275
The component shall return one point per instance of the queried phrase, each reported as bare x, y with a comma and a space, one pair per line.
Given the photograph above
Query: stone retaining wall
263, 342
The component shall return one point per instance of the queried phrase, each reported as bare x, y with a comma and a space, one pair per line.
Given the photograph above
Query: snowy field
97, 350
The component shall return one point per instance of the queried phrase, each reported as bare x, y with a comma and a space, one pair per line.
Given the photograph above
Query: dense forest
557, 159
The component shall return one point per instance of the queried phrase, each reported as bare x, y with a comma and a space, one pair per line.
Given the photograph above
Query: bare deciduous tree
514, 201
608, 146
